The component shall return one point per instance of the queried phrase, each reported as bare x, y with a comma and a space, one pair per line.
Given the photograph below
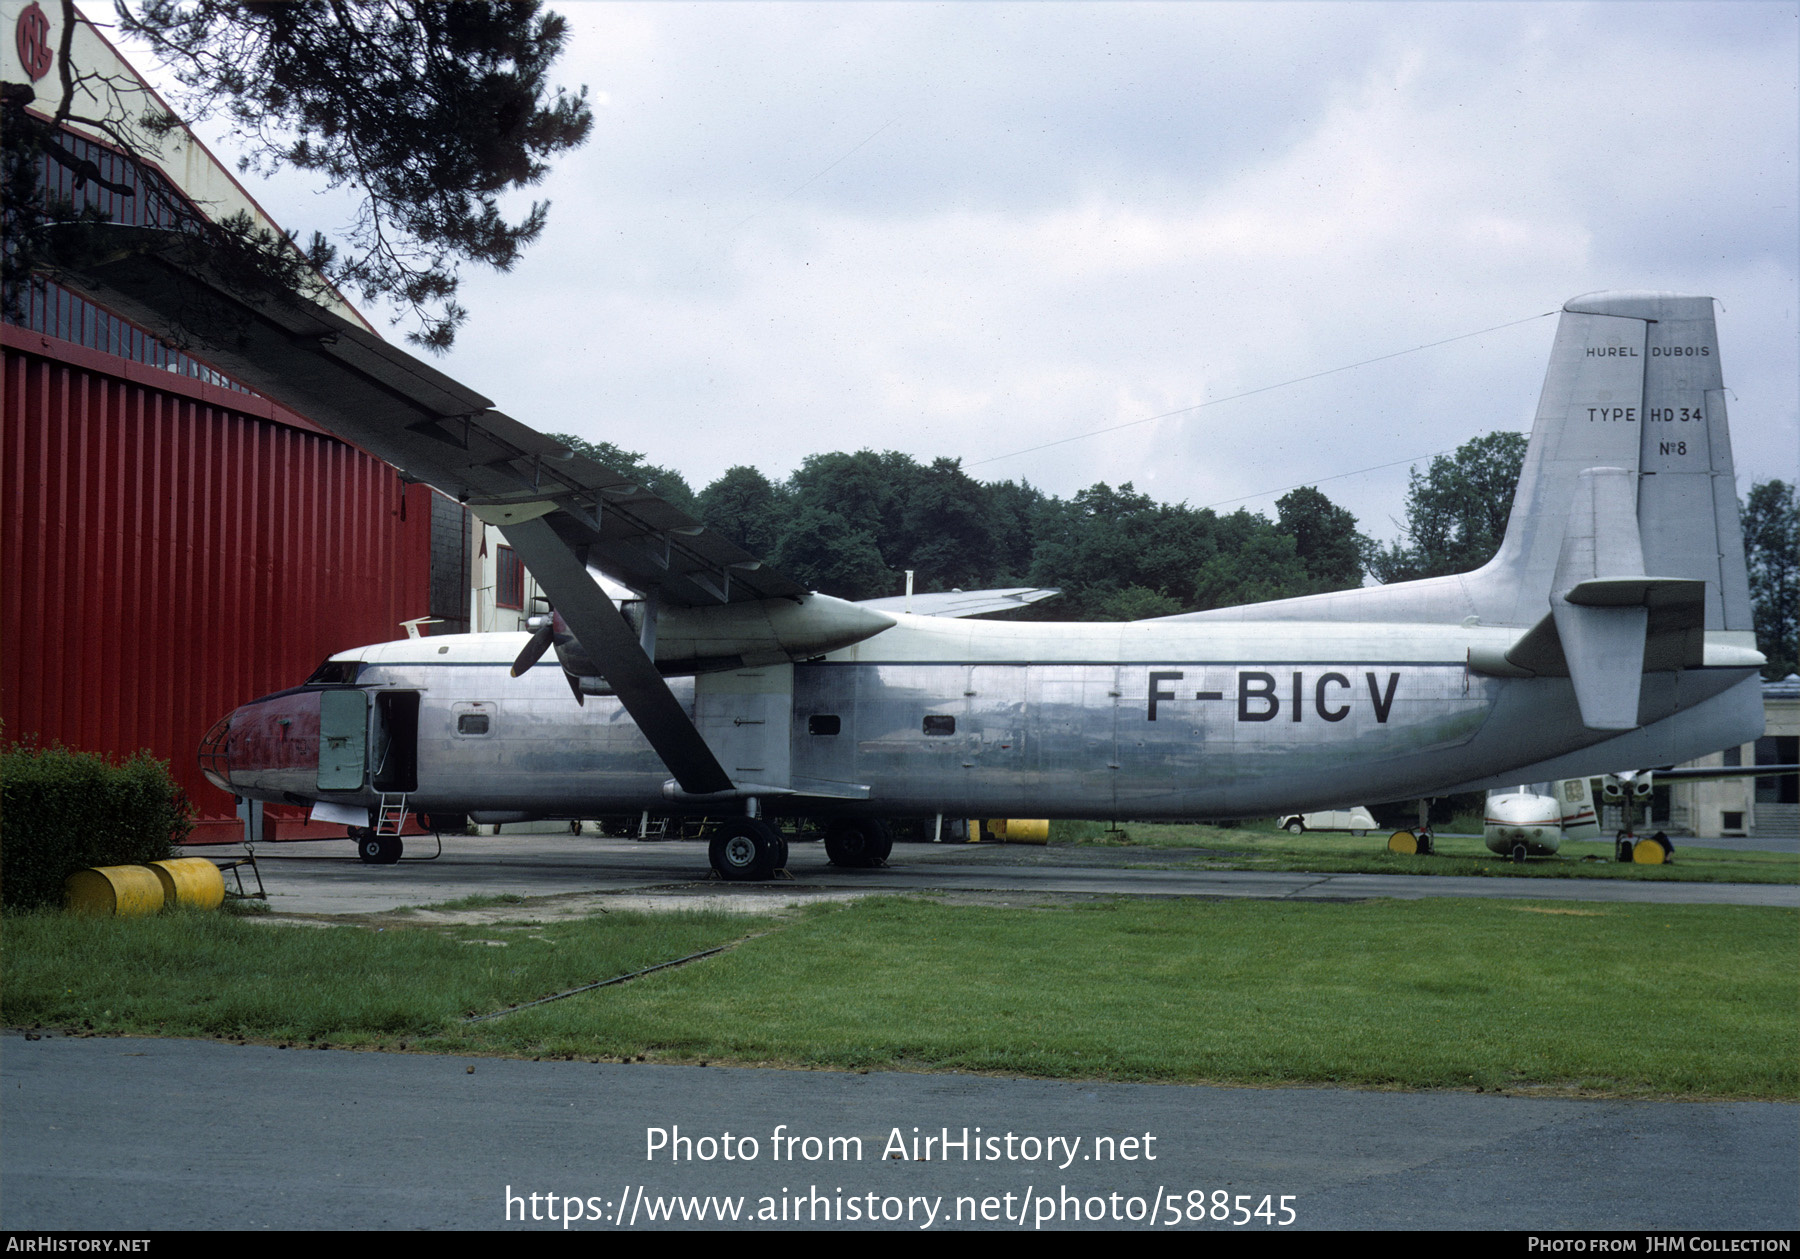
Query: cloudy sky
973, 229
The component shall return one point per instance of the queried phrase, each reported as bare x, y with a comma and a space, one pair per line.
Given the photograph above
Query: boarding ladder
391, 816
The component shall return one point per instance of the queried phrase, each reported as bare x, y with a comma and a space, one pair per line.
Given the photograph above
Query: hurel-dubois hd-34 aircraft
1612, 630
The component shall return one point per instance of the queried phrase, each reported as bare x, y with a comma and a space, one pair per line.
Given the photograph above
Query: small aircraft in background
1533, 820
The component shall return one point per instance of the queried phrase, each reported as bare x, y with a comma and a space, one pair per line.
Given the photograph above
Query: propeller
534, 650
554, 632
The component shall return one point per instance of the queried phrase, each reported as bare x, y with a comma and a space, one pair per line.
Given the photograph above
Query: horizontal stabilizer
954, 603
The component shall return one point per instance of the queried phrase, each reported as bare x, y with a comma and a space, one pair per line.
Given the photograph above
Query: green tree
1456, 512
827, 551
429, 112
1253, 562
746, 507
1325, 539
1772, 549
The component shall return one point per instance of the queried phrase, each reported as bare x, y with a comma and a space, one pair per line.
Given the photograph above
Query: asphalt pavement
327, 878
168, 1134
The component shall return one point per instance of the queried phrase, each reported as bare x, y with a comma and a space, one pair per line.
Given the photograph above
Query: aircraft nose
215, 753
264, 748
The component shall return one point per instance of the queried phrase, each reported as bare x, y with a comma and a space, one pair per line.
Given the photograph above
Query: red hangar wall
172, 545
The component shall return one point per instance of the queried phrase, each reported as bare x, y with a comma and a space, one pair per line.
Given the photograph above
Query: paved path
164, 1134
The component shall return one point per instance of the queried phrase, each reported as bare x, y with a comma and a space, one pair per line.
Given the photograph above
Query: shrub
61, 811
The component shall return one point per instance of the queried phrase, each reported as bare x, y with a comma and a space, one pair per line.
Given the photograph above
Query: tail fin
1633, 386
1634, 383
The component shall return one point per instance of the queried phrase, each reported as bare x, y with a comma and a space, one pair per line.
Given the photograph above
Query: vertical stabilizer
1589, 415
1634, 383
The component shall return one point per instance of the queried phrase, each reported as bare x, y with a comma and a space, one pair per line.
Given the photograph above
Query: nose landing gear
376, 850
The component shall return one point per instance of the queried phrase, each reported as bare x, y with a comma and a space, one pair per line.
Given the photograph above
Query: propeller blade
534, 650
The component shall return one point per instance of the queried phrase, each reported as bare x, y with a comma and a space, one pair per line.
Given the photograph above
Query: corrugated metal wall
166, 557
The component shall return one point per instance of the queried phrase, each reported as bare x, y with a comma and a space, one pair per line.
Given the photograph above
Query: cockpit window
334, 673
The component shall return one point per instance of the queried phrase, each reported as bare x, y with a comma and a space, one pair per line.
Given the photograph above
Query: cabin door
343, 739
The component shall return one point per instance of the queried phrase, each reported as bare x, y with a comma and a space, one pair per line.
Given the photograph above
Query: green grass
1629, 1000
480, 900
1267, 848
214, 975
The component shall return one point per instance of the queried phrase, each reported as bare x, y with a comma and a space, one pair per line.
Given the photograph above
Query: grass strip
1620, 1000
1334, 853
218, 976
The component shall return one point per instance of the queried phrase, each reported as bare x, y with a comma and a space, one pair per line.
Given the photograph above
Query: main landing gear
857, 843
747, 850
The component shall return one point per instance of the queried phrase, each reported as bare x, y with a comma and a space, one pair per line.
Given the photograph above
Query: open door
396, 747
343, 739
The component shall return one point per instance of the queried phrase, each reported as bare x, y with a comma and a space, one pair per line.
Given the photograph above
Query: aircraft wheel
857, 843
366, 846
1426, 849
745, 850
1404, 842
1518, 854
1622, 849
377, 850
1295, 827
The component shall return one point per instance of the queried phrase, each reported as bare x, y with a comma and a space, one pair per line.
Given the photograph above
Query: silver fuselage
1141, 720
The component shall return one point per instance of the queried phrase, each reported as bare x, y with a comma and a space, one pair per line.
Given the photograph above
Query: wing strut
608, 638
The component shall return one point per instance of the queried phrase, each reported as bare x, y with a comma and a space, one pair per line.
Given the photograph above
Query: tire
745, 850
1425, 845
368, 847
1518, 854
1295, 827
857, 843
378, 850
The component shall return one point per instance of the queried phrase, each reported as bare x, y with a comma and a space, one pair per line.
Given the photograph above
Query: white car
1357, 821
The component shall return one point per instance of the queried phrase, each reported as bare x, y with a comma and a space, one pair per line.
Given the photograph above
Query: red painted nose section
267, 747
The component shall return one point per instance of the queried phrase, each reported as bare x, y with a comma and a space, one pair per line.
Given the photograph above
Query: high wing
562, 513
956, 603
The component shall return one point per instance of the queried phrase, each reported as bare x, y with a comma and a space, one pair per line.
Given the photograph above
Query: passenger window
823, 725
472, 723
937, 724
